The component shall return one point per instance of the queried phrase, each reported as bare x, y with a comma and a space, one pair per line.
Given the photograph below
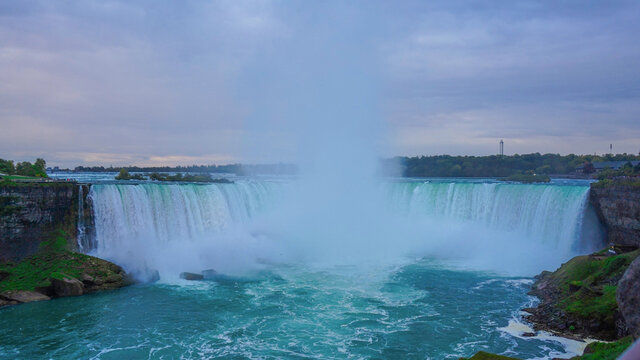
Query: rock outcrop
22, 296
628, 297
618, 207
60, 273
30, 212
579, 299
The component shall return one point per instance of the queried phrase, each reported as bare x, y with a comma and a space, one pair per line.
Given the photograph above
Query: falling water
154, 225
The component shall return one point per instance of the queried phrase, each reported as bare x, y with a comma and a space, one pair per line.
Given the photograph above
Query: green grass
53, 260
602, 304
604, 183
481, 355
20, 177
605, 351
7, 182
588, 285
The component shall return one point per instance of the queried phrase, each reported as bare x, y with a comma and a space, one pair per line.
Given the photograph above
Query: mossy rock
55, 261
605, 351
580, 297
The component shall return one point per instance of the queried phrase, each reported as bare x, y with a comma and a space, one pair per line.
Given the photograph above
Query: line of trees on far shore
25, 168
501, 166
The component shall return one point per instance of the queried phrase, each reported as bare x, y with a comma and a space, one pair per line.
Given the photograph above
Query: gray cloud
146, 82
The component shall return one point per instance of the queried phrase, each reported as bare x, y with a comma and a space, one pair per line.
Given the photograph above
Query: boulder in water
209, 274
191, 276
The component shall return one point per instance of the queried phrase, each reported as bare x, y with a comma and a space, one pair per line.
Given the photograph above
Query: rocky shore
579, 299
596, 296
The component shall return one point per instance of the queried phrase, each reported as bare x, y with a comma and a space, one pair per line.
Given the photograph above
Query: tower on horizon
501, 147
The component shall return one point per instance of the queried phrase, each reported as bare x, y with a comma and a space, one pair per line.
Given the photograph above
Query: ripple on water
417, 310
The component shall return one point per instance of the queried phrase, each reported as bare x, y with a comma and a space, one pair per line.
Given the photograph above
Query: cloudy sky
182, 82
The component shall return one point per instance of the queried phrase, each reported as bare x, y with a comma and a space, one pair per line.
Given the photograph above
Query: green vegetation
588, 286
500, 166
627, 175
481, 355
124, 175
206, 178
238, 169
528, 178
53, 260
593, 351
605, 351
8, 181
35, 170
626, 170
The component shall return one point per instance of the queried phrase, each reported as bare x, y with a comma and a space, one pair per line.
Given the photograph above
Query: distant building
615, 165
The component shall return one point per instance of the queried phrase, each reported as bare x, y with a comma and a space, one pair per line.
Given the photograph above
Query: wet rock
628, 297
4, 302
191, 276
114, 278
209, 274
67, 287
23, 296
87, 279
529, 334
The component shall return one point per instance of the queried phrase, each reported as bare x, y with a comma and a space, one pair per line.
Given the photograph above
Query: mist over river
425, 269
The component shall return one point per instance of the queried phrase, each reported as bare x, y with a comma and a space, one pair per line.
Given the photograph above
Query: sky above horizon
198, 82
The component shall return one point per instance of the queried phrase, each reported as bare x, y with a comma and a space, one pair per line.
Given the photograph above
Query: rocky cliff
30, 212
628, 298
618, 206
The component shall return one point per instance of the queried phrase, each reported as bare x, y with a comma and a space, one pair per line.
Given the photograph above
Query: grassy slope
487, 356
588, 285
52, 261
594, 351
605, 351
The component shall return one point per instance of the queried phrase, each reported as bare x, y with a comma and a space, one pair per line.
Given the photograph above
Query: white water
517, 229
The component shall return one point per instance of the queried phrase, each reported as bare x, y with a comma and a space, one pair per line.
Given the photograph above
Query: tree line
501, 165
25, 168
238, 169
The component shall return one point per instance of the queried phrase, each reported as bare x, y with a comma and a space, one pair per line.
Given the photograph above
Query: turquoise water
411, 269
418, 310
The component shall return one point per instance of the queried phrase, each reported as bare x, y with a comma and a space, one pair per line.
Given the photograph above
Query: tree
7, 167
588, 167
40, 168
123, 175
25, 168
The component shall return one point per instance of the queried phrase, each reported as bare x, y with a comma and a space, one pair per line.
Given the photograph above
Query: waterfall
193, 226
551, 213
81, 224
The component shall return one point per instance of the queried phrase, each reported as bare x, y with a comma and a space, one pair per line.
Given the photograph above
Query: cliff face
30, 212
618, 207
